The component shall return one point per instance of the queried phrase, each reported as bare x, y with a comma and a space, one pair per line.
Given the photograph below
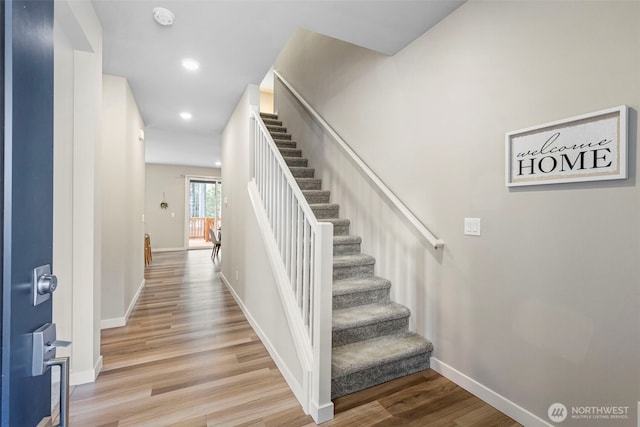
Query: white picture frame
589, 147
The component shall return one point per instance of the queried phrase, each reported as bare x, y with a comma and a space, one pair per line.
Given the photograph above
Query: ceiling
236, 43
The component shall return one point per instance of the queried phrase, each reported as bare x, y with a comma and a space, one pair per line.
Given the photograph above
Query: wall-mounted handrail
302, 258
419, 226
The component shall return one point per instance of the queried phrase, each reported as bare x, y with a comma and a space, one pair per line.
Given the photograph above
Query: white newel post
321, 404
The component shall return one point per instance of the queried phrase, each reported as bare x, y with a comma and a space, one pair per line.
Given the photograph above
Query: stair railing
402, 208
304, 273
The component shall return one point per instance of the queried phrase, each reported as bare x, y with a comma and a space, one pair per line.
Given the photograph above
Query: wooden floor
189, 358
199, 244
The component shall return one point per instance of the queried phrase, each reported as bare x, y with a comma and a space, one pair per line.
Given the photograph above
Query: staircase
371, 340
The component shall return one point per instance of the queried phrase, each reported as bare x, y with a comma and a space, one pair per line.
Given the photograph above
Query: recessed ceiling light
185, 115
190, 64
218, 163
163, 16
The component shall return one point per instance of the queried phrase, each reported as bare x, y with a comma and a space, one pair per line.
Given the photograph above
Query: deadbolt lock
43, 284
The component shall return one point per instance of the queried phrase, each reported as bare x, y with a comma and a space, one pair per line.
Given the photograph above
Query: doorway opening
204, 207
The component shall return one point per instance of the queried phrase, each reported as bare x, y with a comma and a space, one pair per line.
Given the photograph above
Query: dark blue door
27, 188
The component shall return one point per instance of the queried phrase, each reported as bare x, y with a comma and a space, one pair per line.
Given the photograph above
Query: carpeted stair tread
362, 315
290, 152
346, 240
362, 355
359, 284
285, 143
309, 183
325, 210
324, 205
363, 322
317, 196
352, 260
340, 225
368, 363
336, 221
346, 245
272, 122
276, 129
296, 161
356, 265
301, 172
282, 136
360, 291
269, 116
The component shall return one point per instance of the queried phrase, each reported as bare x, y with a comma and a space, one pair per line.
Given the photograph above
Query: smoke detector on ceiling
163, 16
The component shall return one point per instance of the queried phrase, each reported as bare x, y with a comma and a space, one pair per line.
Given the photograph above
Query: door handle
43, 284
63, 363
43, 358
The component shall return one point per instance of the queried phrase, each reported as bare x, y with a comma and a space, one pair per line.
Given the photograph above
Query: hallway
188, 357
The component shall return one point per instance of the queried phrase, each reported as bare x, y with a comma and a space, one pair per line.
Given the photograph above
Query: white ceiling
236, 42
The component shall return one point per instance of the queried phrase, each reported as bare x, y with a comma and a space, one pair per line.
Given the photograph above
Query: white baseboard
322, 414
134, 301
494, 399
169, 249
115, 322
86, 376
291, 380
118, 322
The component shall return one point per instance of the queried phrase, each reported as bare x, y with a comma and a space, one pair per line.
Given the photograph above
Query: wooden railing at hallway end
199, 227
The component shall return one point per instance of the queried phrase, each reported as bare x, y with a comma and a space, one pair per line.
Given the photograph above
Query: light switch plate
472, 226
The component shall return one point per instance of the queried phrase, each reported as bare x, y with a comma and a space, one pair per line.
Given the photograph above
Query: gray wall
166, 227
544, 307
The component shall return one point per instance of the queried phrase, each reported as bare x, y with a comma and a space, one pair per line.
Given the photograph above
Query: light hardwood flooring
189, 358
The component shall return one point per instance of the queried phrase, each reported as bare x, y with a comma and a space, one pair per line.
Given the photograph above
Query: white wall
245, 265
123, 181
63, 184
544, 307
266, 101
195, 150
166, 227
77, 235
77, 238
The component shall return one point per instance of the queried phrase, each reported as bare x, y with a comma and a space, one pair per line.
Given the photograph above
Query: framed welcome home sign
590, 147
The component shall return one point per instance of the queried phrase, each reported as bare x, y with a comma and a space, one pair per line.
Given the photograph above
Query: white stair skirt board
118, 322
86, 376
484, 393
294, 385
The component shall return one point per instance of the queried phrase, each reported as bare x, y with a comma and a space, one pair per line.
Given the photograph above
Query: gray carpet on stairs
371, 340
